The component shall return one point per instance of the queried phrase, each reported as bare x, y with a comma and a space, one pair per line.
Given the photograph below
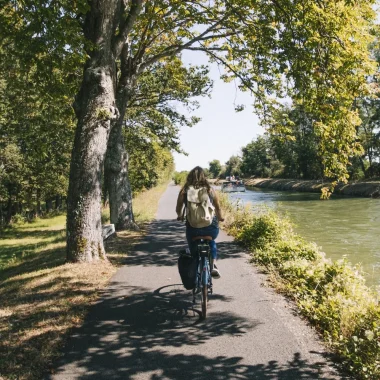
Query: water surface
341, 226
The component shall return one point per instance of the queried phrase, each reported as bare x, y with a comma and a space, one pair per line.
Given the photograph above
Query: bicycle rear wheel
204, 292
204, 296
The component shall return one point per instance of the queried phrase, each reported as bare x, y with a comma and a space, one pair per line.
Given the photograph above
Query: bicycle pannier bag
187, 267
199, 209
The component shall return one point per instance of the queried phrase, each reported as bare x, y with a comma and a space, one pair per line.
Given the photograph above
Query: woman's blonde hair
197, 179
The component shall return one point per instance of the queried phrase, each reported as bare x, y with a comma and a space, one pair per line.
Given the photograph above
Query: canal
341, 226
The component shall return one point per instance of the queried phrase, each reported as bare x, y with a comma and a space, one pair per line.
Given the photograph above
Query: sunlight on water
340, 226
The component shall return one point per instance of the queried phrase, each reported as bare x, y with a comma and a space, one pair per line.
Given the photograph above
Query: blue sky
222, 132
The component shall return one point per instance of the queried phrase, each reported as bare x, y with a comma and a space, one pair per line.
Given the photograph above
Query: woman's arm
180, 204
218, 209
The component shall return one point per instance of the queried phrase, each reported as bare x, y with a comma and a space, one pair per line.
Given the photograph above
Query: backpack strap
211, 196
185, 198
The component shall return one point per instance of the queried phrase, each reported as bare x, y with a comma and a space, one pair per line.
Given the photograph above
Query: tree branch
228, 66
175, 49
127, 26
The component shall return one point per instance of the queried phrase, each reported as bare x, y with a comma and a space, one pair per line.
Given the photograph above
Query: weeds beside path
42, 298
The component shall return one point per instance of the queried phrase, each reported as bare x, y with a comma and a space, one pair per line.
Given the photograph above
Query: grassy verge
332, 295
42, 297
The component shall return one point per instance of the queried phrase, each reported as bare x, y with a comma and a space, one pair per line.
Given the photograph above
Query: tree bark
38, 201
118, 185
116, 167
95, 109
49, 204
8, 215
58, 202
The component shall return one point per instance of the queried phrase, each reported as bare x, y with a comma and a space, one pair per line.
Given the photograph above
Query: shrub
18, 219
179, 178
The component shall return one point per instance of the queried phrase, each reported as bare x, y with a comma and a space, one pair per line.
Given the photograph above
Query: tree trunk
361, 159
116, 167
119, 189
58, 202
8, 215
49, 204
95, 109
38, 201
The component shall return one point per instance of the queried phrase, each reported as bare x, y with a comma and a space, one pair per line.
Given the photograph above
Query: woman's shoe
215, 272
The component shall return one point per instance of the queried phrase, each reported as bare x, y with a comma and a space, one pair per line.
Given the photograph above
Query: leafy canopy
313, 53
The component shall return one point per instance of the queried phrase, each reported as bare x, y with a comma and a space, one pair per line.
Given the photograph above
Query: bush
18, 219
179, 178
333, 295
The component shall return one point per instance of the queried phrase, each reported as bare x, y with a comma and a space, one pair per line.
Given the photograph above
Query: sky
222, 132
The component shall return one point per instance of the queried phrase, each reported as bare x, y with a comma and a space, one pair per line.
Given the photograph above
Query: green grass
146, 204
28, 239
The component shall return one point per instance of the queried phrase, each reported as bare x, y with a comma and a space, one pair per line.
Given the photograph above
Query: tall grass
331, 294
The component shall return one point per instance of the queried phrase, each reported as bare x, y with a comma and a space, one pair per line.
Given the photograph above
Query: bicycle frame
204, 279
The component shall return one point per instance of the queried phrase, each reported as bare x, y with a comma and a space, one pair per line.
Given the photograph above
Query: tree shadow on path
138, 336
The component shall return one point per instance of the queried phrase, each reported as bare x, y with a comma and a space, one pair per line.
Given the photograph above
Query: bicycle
203, 279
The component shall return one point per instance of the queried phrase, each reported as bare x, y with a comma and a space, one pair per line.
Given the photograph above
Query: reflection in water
341, 226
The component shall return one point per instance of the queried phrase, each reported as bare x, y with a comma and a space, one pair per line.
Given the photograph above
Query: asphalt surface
146, 327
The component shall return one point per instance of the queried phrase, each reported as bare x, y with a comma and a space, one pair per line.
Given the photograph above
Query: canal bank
358, 189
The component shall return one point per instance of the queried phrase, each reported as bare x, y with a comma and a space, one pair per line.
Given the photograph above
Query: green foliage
39, 73
233, 166
331, 294
152, 122
366, 165
152, 103
150, 163
313, 53
258, 159
325, 81
295, 144
179, 178
215, 168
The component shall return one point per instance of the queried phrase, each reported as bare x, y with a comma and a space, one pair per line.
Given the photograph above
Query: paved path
144, 327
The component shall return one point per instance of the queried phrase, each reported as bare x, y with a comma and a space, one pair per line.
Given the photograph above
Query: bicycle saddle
201, 238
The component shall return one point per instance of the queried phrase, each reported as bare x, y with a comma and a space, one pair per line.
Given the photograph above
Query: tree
255, 44
11, 179
295, 144
215, 168
256, 158
367, 164
151, 106
314, 52
369, 135
233, 166
38, 79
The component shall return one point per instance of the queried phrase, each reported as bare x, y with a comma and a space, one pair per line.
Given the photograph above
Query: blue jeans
211, 230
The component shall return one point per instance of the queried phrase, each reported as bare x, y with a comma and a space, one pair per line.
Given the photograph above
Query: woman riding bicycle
196, 179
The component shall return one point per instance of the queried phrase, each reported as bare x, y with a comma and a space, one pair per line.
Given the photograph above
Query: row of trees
314, 53
291, 146
293, 151
37, 122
